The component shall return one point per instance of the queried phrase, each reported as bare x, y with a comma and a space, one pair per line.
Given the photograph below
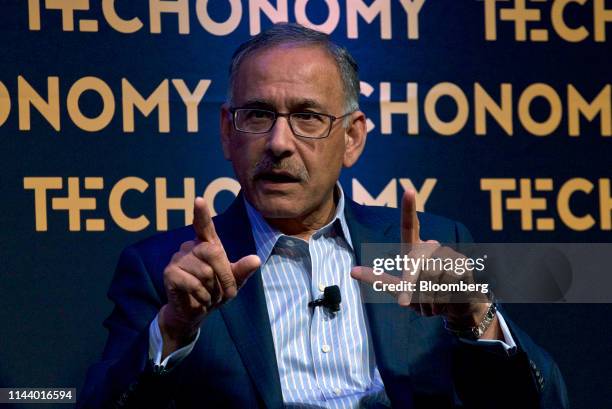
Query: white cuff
156, 344
508, 344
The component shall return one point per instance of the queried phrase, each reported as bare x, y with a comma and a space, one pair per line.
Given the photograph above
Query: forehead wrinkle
260, 78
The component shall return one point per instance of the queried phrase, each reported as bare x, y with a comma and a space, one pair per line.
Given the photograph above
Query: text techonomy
536, 21
505, 106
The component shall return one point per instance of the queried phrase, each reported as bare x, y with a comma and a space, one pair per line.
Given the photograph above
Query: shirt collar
266, 236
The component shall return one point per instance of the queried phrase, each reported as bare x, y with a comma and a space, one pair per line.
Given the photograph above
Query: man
216, 314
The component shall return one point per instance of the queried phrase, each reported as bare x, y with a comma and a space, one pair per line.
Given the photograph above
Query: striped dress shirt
324, 359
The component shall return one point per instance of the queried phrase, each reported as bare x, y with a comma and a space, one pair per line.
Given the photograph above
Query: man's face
282, 175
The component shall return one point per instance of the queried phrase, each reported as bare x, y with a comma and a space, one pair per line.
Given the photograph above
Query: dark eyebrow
295, 106
306, 104
258, 103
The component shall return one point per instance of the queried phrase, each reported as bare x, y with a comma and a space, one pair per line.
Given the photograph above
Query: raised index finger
410, 221
202, 222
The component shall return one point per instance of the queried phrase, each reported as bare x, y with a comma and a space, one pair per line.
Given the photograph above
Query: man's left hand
469, 312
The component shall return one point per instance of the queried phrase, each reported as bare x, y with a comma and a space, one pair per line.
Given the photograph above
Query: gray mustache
267, 165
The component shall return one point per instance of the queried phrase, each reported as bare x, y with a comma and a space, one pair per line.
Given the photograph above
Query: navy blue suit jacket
233, 363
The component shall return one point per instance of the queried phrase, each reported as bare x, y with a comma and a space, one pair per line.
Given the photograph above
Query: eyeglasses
312, 125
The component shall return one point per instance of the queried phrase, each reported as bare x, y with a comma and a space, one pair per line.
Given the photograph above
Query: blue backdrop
498, 113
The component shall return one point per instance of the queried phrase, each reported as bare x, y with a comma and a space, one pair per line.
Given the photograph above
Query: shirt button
321, 287
337, 391
325, 348
290, 243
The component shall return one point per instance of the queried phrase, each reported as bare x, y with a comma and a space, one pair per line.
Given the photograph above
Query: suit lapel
246, 316
390, 325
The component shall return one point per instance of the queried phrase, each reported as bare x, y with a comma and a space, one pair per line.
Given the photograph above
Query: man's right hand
198, 279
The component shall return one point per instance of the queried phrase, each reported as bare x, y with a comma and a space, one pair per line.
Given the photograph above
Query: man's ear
354, 138
226, 130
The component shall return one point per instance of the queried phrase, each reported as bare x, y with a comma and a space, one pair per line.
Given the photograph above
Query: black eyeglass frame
288, 115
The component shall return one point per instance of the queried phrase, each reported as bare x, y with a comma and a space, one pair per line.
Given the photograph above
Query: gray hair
291, 33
